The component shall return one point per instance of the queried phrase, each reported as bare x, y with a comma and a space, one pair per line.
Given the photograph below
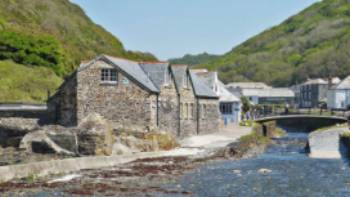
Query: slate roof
343, 85
131, 68
152, 74
156, 71
201, 89
179, 72
273, 92
248, 85
211, 80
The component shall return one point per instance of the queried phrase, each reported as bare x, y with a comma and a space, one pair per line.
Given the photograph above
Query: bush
38, 50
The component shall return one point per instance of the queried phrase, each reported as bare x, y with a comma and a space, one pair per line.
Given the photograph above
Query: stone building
230, 105
138, 96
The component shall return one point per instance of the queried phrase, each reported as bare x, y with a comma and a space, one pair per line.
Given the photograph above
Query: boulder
12, 130
48, 142
121, 149
95, 136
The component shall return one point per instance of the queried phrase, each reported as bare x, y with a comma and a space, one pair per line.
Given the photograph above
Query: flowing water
283, 170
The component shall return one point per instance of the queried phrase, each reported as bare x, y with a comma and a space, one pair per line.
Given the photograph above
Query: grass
26, 84
246, 123
345, 135
254, 137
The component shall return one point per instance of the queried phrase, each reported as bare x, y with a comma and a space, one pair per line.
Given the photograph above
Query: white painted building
230, 105
338, 96
260, 93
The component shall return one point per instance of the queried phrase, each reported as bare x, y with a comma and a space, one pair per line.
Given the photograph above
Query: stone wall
169, 109
188, 112
62, 107
125, 104
209, 116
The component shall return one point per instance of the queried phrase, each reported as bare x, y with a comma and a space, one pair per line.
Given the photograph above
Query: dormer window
109, 75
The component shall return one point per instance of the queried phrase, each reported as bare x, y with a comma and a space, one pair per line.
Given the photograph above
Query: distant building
338, 97
260, 93
230, 105
314, 91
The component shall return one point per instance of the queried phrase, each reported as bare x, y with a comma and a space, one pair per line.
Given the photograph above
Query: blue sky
172, 28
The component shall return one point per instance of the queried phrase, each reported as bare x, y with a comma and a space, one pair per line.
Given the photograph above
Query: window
109, 75
182, 111
186, 111
203, 111
192, 111
226, 108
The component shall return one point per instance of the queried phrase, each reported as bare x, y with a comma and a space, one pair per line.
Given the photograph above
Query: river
283, 170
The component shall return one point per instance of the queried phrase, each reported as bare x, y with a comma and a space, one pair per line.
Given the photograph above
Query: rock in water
264, 171
95, 136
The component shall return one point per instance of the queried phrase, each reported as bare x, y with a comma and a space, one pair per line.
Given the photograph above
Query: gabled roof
156, 71
131, 68
248, 85
208, 77
211, 80
315, 81
179, 71
273, 92
201, 89
345, 84
225, 95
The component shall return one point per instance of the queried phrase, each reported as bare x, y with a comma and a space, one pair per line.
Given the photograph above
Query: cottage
338, 96
314, 92
230, 105
133, 95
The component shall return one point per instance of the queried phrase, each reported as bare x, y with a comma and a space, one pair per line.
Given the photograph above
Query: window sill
108, 83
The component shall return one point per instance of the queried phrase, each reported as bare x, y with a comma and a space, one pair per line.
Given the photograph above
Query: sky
173, 28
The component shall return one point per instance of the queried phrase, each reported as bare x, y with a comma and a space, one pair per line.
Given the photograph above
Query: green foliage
36, 50
345, 135
313, 43
246, 106
246, 123
254, 139
194, 60
26, 84
55, 34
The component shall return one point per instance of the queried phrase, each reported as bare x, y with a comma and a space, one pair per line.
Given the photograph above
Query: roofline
104, 58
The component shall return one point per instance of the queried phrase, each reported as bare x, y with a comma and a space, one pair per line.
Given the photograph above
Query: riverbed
283, 170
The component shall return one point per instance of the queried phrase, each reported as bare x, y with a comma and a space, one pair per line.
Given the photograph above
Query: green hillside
49, 35
313, 43
193, 60
24, 83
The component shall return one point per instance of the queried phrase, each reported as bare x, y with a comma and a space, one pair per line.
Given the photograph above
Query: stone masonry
135, 100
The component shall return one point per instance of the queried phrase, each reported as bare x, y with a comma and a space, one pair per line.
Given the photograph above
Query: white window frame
109, 76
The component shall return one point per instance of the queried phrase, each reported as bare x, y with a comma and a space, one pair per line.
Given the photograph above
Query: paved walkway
226, 136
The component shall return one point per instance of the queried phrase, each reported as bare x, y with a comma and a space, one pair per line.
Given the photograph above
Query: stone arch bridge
303, 122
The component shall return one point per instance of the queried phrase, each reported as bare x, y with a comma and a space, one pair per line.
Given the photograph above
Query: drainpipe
198, 115
157, 111
179, 115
